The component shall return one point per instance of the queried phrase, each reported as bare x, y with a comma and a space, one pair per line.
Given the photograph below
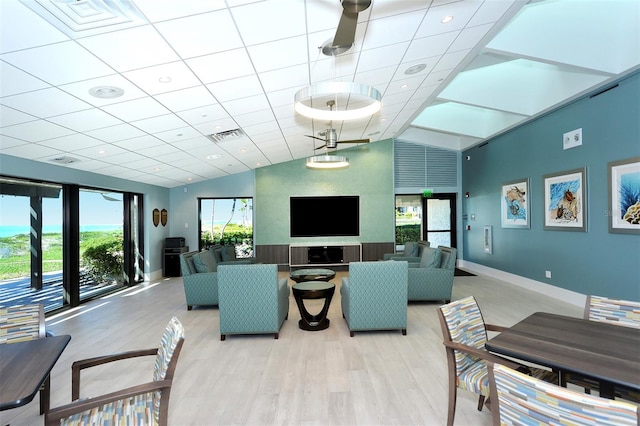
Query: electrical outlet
572, 139
547, 274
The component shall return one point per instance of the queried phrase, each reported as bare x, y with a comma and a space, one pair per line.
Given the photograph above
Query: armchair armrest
53, 416
487, 356
79, 365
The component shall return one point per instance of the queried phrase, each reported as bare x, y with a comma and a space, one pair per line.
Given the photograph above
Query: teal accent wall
592, 262
369, 175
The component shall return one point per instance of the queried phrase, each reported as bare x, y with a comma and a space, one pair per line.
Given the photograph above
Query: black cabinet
171, 261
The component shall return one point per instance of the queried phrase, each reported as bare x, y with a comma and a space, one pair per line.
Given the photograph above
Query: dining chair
623, 313
519, 399
146, 403
22, 323
465, 334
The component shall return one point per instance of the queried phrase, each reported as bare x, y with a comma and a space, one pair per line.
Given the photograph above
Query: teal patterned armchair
252, 300
200, 288
374, 296
518, 399
432, 279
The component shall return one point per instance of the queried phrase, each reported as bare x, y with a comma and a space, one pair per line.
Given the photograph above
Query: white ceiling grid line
193, 68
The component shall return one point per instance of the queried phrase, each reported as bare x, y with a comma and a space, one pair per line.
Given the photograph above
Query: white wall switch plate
572, 139
547, 274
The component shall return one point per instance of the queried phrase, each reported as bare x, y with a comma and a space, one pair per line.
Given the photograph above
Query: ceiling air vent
64, 160
227, 135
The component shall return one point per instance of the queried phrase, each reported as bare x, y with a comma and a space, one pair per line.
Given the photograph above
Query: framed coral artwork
515, 204
565, 201
624, 196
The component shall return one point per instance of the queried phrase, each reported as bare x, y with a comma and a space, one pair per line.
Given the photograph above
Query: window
227, 221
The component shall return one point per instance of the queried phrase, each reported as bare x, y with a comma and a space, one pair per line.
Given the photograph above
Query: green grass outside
15, 255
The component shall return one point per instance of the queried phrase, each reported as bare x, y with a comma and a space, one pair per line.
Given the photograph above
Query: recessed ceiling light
404, 86
179, 134
106, 92
213, 156
447, 19
415, 69
189, 179
165, 79
102, 151
243, 150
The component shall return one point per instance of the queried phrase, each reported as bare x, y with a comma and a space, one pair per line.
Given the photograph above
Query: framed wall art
514, 200
565, 200
156, 217
624, 196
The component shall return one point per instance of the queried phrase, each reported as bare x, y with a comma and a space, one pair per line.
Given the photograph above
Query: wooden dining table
608, 353
24, 366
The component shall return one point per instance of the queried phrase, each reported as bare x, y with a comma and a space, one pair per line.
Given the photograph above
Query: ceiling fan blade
346, 32
320, 147
355, 141
315, 137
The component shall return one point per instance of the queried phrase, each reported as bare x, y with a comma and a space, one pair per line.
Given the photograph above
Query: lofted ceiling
184, 70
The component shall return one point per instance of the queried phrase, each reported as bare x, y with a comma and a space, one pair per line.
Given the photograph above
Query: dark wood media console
324, 255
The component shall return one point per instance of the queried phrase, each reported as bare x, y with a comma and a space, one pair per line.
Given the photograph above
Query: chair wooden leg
404, 331
45, 394
189, 307
275, 336
222, 337
351, 333
451, 413
480, 402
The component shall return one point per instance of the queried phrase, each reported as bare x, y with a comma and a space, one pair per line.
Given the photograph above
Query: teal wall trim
370, 175
592, 262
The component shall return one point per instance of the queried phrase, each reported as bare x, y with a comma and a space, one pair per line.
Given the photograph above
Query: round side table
313, 290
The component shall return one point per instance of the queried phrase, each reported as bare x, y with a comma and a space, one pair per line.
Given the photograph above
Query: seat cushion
131, 411
411, 249
475, 378
430, 258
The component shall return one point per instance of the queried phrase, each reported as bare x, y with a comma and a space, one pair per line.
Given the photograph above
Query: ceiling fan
330, 137
346, 32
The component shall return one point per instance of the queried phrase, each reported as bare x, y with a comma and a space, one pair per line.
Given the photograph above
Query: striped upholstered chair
144, 404
21, 323
252, 299
519, 399
465, 334
374, 296
624, 313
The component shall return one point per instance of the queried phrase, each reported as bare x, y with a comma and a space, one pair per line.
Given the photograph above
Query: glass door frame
453, 230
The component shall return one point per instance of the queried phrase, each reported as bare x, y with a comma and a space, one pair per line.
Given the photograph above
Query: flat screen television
327, 216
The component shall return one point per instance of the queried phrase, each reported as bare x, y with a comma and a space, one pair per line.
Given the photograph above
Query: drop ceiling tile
246, 105
470, 37
137, 109
16, 81
461, 11
157, 150
82, 121
124, 158
162, 10
221, 66
10, 116
35, 131
204, 114
449, 61
492, 11
45, 103
382, 57
176, 159
100, 152
427, 47
384, 8
236, 88
339, 68
177, 135
141, 142
90, 165
279, 53
392, 30
81, 90
295, 76
201, 34
159, 124
9, 142
32, 151
58, 71
261, 127
219, 125
163, 78
71, 142
128, 49
21, 28
184, 99
282, 97
286, 19
116, 133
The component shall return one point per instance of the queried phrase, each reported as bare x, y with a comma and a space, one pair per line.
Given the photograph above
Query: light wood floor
303, 378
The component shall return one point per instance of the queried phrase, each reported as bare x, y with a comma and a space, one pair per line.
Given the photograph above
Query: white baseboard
567, 296
155, 275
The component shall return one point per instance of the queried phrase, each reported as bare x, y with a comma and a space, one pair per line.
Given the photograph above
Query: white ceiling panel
129, 49
201, 67
44, 62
